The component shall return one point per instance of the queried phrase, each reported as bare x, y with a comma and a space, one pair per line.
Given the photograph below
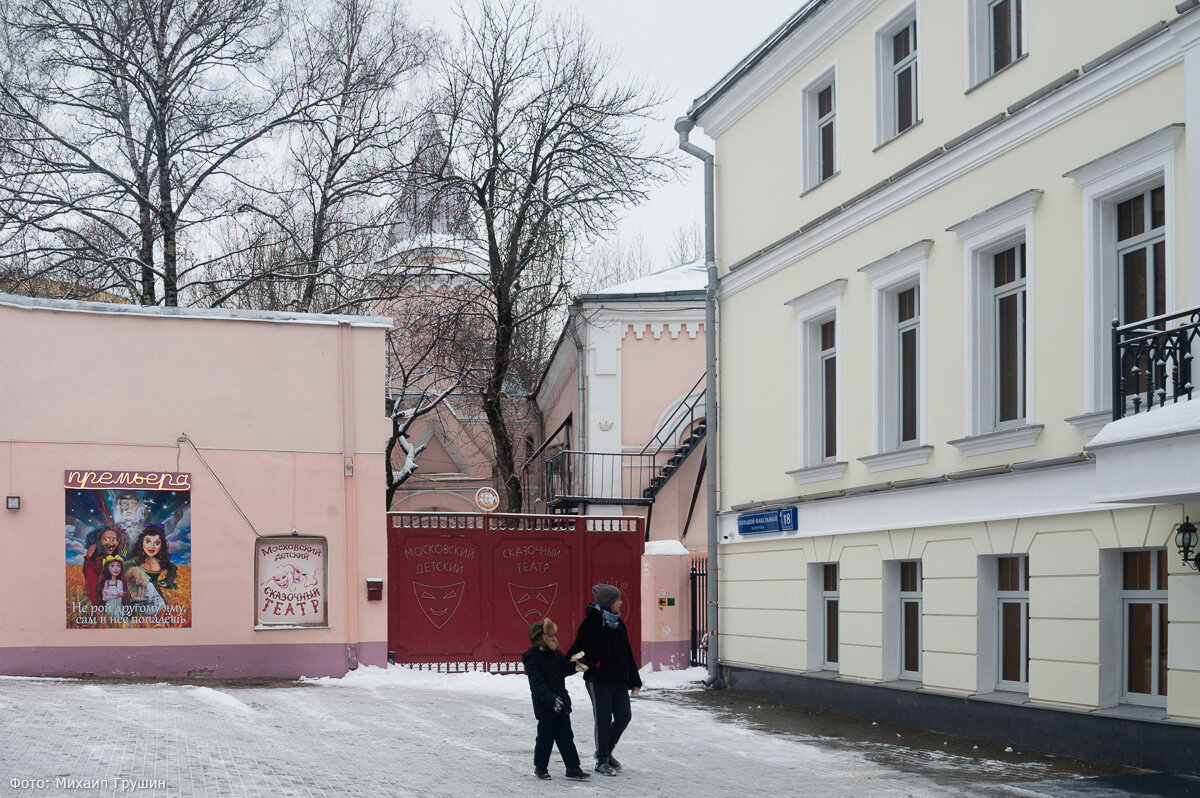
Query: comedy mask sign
129, 549
291, 582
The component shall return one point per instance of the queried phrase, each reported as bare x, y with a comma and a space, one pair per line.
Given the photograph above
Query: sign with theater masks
291, 578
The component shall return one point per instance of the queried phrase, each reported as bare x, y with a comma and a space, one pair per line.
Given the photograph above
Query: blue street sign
770, 521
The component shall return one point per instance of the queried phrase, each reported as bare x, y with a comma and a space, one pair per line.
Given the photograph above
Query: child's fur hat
539, 631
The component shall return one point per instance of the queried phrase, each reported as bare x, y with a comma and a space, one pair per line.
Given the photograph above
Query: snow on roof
685, 278
1173, 419
77, 306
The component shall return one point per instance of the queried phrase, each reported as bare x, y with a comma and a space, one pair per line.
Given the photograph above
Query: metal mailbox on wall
465, 587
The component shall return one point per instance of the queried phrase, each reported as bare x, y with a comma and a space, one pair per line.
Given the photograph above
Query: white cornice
792, 55
1083, 94
981, 224
818, 298
900, 262
1159, 143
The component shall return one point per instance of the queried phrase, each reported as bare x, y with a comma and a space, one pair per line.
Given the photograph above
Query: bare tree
320, 235
139, 114
545, 148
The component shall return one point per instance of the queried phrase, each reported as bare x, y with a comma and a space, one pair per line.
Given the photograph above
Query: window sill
816, 186
1132, 712
886, 461
1090, 423
818, 473
999, 441
1011, 697
999, 71
883, 144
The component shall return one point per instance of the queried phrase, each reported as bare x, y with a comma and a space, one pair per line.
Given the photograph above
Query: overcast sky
684, 46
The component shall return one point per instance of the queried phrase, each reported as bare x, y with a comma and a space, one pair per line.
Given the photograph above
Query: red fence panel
464, 587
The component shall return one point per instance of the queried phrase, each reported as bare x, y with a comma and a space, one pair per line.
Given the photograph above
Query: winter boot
578, 773
602, 766
613, 763
542, 774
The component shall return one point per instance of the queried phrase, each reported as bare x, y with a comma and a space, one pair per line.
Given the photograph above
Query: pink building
216, 477
622, 404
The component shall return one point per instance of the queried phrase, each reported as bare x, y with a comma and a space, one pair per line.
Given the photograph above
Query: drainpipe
683, 126
580, 442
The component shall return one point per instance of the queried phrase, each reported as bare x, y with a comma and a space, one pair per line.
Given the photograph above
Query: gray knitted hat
605, 595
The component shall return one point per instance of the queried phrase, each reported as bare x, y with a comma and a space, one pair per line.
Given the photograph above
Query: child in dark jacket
548, 670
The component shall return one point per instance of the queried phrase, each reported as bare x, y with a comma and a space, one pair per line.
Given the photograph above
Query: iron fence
1152, 361
698, 574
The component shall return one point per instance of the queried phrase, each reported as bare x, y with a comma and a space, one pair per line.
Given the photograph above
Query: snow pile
654, 547
688, 679
1172, 419
219, 699
686, 277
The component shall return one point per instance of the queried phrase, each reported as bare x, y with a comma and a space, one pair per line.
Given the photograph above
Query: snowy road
398, 732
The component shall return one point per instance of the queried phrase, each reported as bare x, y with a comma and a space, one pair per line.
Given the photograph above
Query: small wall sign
291, 580
770, 521
487, 499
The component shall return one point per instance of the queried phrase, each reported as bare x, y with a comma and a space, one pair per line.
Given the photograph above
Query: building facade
933, 211
217, 479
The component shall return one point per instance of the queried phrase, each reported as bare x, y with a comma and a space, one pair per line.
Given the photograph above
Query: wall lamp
1186, 539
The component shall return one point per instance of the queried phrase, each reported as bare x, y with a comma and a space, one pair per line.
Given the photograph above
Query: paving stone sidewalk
391, 734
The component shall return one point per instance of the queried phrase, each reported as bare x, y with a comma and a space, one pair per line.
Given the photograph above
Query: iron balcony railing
573, 478
1152, 361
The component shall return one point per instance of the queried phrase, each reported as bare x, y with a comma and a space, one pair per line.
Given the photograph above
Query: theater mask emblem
532, 603
438, 602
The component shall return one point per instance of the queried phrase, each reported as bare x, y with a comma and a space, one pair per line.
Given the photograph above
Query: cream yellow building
928, 215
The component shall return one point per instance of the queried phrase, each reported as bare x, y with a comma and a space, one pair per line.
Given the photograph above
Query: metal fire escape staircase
570, 478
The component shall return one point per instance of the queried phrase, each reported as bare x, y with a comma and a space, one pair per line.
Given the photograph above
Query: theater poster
129, 549
291, 579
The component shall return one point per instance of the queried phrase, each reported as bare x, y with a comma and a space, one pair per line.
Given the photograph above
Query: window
996, 30
910, 619
998, 247
829, 610
899, 349
1012, 599
1007, 327
820, 129
828, 391
898, 77
907, 367
1144, 615
1128, 211
819, 384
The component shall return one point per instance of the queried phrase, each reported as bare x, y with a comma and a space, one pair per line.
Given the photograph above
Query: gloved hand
560, 706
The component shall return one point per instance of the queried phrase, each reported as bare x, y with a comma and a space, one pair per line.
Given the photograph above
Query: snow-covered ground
399, 732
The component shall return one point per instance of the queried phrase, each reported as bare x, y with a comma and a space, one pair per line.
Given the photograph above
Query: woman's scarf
611, 619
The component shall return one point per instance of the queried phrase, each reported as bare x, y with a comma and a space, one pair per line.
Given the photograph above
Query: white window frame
905, 597
890, 276
1008, 224
1105, 183
812, 310
812, 124
1020, 597
1157, 598
826, 597
980, 66
885, 74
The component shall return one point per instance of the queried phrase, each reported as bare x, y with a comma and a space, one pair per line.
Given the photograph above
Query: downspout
683, 126
580, 442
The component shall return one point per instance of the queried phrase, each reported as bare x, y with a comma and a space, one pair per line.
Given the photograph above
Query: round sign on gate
487, 499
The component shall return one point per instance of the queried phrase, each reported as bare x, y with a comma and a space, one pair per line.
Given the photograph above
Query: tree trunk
493, 406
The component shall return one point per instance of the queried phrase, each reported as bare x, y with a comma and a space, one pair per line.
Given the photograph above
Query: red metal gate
464, 587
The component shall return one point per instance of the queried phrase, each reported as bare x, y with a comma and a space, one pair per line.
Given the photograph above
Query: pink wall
286, 412
655, 371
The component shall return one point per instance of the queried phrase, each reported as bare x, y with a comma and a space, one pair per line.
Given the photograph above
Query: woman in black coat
612, 671
548, 670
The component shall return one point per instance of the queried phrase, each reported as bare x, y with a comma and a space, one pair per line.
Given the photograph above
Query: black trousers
551, 730
610, 705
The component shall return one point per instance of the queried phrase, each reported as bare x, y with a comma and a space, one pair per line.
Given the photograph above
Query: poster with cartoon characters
129, 549
290, 579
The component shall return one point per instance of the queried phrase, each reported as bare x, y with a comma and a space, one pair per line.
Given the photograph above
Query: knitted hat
605, 595
539, 631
